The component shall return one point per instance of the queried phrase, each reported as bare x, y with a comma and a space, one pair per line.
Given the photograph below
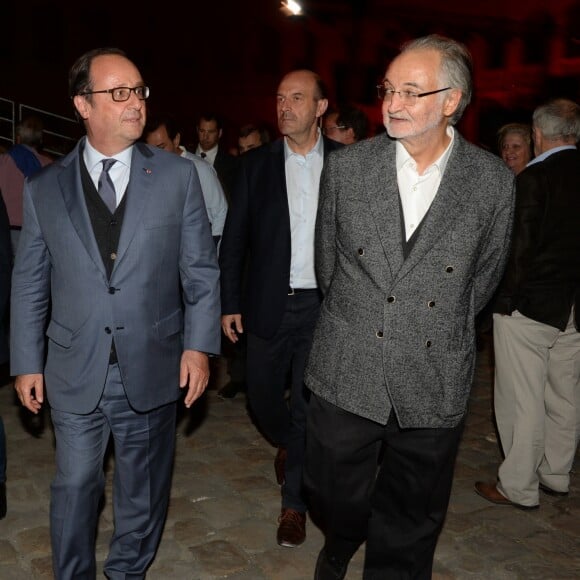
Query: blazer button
379, 334
428, 343
361, 251
431, 303
449, 269
108, 330
391, 299
112, 290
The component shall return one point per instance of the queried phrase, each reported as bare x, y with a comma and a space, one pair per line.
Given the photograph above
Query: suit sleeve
30, 296
325, 230
493, 257
199, 274
234, 245
529, 211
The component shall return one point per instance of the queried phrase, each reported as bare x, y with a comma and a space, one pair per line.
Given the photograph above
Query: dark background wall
228, 55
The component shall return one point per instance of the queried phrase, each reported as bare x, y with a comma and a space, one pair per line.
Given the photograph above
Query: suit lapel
139, 191
74, 199
380, 183
279, 174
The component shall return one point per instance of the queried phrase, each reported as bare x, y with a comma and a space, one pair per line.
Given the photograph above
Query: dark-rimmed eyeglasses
120, 94
408, 98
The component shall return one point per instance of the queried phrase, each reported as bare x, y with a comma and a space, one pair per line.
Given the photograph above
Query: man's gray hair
558, 119
456, 66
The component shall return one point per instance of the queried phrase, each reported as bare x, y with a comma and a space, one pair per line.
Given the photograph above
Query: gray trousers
537, 404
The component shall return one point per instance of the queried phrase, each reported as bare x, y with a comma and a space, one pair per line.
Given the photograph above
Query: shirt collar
403, 157
318, 148
549, 152
209, 152
93, 157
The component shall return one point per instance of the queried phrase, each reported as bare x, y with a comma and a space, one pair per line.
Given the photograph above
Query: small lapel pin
147, 171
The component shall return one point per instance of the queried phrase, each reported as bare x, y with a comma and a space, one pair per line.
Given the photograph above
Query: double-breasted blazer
162, 295
258, 228
398, 334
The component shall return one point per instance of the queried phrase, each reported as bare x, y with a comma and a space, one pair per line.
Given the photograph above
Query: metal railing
59, 134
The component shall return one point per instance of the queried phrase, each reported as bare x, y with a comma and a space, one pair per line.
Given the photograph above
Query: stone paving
225, 502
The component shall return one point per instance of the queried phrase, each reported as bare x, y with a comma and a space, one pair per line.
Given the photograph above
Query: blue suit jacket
162, 296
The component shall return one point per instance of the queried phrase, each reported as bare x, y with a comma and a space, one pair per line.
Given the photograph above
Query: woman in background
515, 145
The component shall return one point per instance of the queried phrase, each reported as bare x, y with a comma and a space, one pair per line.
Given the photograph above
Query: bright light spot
293, 7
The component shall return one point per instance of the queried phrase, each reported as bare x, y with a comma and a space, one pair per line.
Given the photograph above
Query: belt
292, 291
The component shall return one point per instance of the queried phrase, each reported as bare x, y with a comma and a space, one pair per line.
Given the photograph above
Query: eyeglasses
121, 94
408, 98
333, 128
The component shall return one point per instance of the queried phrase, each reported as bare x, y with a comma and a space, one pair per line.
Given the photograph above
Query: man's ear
176, 140
81, 105
452, 101
321, 107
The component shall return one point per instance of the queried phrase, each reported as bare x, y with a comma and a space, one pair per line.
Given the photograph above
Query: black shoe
552, 492
2, 501
330, 568
230, 390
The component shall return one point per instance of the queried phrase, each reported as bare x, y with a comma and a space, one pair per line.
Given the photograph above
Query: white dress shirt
302, 183
418, 191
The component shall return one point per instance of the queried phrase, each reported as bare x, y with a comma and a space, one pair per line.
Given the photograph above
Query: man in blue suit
127, 291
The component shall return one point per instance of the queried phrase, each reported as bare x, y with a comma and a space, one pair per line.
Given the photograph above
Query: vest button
108, 330
391, 299
379, 334
449, 269
113, 256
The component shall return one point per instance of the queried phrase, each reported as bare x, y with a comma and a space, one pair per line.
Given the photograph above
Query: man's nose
395, 103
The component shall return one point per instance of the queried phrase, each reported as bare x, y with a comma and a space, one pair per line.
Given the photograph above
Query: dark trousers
144, 445
2, 452
235, 354
269, 363
381, 484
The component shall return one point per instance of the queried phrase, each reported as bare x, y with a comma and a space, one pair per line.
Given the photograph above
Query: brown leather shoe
291, 528
280, 464
490, 492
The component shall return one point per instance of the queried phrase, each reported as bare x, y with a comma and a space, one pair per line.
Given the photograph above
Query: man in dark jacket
271, 220
536, 320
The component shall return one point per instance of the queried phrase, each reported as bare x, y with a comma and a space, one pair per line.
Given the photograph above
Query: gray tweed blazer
399, 334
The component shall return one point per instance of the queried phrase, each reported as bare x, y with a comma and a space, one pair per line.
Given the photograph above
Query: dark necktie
106, 186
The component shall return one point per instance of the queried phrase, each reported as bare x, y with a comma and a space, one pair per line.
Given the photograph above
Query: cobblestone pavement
225, 502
